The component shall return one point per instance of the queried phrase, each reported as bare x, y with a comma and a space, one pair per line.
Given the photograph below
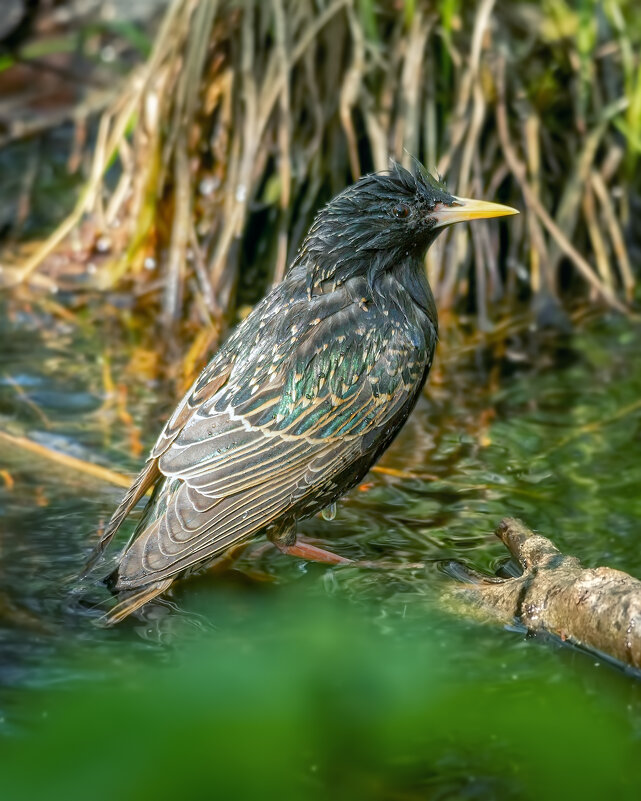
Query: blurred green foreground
330, 706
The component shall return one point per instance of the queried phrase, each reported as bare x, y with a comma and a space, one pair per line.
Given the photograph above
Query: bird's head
383, 221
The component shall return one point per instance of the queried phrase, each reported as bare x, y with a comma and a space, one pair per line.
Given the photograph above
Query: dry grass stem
209, 165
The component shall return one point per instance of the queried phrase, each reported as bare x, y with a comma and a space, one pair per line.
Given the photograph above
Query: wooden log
595, 608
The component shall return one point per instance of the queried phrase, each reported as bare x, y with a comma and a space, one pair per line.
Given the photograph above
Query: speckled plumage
303, 397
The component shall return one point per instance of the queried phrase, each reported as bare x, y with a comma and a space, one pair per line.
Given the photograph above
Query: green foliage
368, 18
626, 22
131, 33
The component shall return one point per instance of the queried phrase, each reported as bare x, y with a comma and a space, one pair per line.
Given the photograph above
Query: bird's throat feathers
388, 273
385, 275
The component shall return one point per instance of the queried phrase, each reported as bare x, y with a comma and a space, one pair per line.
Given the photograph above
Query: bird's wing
207, 384
286, 422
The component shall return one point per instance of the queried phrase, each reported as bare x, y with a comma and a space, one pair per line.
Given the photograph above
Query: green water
282, 679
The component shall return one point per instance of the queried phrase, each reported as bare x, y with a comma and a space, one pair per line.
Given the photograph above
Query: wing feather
162, 550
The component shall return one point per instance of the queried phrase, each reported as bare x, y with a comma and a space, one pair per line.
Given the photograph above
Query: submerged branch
65, 460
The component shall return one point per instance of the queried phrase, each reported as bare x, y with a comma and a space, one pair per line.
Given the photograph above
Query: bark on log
595, 608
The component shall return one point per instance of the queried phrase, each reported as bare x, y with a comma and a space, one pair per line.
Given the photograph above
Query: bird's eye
400, 211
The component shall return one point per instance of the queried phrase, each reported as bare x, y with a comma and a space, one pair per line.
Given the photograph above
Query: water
329, 512
315, 662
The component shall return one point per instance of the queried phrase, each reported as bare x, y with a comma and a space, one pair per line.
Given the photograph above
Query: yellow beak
465, 208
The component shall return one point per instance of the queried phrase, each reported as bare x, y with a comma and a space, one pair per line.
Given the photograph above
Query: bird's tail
147, 477
132, 600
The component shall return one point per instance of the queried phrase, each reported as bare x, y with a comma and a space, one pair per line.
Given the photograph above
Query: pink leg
303, 550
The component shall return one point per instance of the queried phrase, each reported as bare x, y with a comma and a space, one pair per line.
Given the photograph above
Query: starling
306, 393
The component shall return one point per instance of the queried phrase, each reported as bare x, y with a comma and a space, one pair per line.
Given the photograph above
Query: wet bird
306, 393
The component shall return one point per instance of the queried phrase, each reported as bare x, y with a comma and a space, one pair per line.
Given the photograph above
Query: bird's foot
312, 553
285, 539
